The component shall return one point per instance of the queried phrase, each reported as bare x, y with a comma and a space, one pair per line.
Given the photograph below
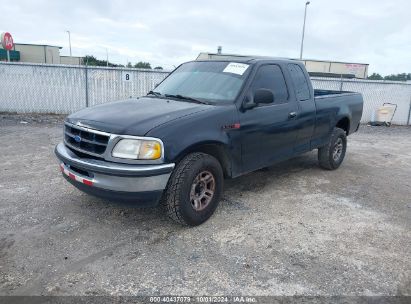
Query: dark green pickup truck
208, 120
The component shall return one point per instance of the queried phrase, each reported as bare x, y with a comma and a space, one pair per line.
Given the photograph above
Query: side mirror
263, 96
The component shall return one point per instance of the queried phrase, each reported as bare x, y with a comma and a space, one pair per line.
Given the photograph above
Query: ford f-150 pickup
208, 120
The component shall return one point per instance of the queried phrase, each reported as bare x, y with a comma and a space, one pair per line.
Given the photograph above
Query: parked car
208, 120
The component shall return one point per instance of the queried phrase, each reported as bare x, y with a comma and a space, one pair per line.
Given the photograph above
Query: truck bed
330, 104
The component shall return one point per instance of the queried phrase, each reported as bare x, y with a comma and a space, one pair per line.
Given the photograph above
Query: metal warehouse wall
71, 60
65, 89
38, 53
360, 70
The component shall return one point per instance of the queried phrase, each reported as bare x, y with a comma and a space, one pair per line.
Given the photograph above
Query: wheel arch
213, 148
344, 124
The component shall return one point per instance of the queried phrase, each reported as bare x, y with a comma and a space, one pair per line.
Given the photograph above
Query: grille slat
91, 142
86, 140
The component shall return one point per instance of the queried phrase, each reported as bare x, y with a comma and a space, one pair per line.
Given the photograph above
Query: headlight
137, 149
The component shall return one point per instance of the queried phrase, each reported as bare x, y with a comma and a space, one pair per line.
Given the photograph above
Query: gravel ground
290, 229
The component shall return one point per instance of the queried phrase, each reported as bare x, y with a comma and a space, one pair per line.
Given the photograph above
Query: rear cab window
302, 88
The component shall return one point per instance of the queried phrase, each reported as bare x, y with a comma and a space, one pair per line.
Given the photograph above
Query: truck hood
134, 116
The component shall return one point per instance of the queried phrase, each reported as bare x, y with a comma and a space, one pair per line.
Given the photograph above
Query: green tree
142, 65
397, 77
375, 76
93, 61
392, 77
158, 68
129, 65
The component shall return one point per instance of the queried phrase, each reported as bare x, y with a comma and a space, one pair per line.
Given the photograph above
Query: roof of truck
244, 58
239, 58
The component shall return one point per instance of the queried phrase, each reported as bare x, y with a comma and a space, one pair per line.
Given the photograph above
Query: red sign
7, 41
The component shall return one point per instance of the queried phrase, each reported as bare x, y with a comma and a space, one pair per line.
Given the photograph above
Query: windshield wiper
181, 97
154, 93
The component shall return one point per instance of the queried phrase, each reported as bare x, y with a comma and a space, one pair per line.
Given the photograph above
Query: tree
398, 77
142, 65
93, 61
392, 77
375, 76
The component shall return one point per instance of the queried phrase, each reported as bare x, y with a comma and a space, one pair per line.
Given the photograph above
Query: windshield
210, 81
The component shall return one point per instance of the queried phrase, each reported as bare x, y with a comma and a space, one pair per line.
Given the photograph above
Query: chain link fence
64, 89
375, 94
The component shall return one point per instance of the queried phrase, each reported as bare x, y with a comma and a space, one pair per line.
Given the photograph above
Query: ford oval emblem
77, 139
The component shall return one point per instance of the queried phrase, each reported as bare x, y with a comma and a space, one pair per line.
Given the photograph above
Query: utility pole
302, 39
107, 55
69, 41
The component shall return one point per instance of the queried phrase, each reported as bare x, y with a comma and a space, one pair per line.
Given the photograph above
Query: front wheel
332, 155
194, 189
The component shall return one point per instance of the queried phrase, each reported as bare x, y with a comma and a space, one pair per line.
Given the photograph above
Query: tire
187, 198
332, 155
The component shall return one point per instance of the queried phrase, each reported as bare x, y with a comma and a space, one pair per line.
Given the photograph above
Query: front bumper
142, 184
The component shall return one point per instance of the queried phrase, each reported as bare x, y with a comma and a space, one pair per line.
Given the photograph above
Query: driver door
268, 131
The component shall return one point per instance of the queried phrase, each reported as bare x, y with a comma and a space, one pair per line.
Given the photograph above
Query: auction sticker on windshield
236, 68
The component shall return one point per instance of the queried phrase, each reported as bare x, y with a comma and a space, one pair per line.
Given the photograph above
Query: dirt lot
290, 229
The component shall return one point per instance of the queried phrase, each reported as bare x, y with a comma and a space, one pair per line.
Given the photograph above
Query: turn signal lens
150, 150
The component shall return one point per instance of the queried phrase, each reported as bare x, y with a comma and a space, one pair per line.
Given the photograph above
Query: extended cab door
306, 113
268, 131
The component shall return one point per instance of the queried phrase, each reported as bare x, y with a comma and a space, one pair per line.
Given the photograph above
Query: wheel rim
338, 148
202, 190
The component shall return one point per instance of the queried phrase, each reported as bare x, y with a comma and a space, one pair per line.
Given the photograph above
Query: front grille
89, 142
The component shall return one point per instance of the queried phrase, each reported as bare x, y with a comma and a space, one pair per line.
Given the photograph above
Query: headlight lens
137, 149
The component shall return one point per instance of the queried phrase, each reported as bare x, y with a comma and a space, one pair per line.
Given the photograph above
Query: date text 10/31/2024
203, 299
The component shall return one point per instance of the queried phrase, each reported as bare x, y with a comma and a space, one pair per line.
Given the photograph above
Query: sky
167, 33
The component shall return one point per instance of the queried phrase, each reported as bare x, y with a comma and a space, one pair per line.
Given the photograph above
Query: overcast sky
170, 32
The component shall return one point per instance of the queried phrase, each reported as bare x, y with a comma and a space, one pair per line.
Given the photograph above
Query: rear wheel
194, 189
332, 155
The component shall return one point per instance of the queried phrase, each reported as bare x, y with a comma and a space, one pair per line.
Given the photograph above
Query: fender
204, 131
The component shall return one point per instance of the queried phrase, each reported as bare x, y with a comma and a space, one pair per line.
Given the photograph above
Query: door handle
292, 115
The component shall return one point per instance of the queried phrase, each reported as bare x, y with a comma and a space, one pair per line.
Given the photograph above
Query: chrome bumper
113, 176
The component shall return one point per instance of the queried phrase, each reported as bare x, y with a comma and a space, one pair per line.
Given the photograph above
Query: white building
324, 68
39, 53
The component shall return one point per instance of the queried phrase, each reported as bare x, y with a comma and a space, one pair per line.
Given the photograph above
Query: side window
271, 77
300, 82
